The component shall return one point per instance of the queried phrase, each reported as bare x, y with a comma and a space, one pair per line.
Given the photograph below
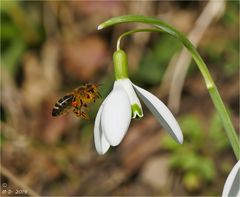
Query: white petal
161, 112
116, 116
232, 184
101, 144
127, 85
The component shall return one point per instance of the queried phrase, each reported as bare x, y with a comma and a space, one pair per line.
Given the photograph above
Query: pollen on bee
74, 103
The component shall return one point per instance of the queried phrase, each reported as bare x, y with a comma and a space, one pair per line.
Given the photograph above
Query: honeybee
77, 101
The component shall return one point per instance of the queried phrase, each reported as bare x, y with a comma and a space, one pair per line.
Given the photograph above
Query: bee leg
84, 115
77, 112
74, 110
98, 95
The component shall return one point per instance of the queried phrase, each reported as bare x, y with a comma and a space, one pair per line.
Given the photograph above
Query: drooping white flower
122, 104
232, 184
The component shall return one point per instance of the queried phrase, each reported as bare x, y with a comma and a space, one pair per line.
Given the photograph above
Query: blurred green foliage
195, 157
154, 63
223, 51
231, 15
17, 33
217, 135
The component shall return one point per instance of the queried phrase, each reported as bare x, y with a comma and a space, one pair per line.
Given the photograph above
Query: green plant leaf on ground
192, 181
218, 138
195, 155
192, 131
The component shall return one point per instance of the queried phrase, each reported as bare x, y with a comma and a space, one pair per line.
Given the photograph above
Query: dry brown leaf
84, 57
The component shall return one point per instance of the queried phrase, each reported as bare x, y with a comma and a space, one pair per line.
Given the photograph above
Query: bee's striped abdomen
62, 104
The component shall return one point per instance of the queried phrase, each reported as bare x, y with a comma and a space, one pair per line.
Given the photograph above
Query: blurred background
48, 48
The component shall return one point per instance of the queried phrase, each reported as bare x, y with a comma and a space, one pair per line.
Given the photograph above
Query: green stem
163, 27
135, 31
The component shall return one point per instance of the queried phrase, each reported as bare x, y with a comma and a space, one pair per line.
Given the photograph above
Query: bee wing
63, 105
99, 84
98, 95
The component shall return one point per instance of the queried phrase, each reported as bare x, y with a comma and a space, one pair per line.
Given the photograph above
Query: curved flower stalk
232, 184
122, 104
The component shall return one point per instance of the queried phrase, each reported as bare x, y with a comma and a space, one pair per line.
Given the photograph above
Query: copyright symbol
4, 185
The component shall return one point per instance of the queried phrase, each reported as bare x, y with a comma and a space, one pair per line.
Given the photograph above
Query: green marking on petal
136, 111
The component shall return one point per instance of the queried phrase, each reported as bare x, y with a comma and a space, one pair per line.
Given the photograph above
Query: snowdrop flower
232, 184
122, 104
